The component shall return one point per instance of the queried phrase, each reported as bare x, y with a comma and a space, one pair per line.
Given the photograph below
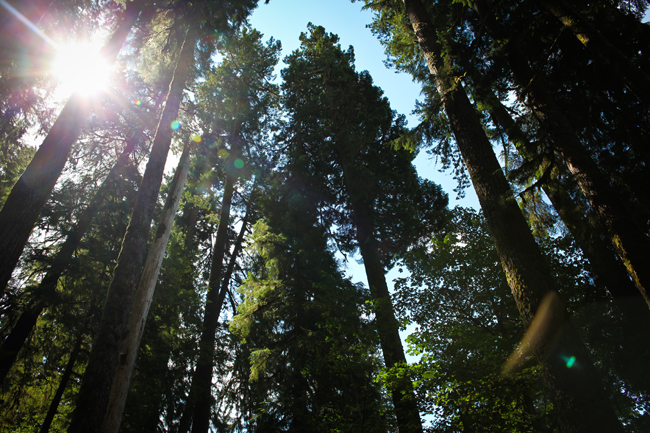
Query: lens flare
137, 102
196, 138
175, 125
80, 68
239, 163
223, 153
570, 361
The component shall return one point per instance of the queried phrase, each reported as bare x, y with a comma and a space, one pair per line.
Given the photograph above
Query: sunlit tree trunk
93, 395
29, 194
46, 291
142, 301
526, 270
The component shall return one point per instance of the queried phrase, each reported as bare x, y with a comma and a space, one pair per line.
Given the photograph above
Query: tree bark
142, 301
46, 291
63, 383
609, 273
578, 398
29, 194
401, 389
93, 395
201, 398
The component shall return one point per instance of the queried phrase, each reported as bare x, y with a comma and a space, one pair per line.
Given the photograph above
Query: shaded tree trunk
63, 383
629, 241
401, 389
627, 238
93, 395
609, 273
46, 291
142, 301
526, 270
200, 397
29, 194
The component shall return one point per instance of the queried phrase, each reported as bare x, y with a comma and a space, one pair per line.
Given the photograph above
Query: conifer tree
235, 103
24, 203
527, 273
346, 127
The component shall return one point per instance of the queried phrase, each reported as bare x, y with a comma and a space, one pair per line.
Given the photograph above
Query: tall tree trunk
200, 397
610, 274
29, 194
629, 241
143, 297
93, 395
63, 383
402, 392
611, 58
46, 291
578, 396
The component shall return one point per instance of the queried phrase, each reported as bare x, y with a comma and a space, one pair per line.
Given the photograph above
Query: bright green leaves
466, 325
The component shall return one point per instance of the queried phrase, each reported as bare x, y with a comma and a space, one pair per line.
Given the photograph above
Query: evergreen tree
311, 354
346, 128
235, 105
527, 273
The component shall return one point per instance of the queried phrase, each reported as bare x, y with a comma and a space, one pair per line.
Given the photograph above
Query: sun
79, 67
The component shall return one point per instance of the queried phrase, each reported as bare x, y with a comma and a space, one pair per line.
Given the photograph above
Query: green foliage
345, 132
301, 323
466, 325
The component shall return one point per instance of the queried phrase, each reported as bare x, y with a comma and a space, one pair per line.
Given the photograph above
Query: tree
93, 396
236, 102
466, 326
527, 273
311, 353
345, 127
24, 203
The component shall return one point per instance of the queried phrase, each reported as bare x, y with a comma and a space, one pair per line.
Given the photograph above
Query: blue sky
286, 19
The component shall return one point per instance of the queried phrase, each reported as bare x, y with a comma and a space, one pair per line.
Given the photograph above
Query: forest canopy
216, 297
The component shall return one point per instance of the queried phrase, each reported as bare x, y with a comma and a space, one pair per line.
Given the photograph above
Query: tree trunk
629, 241
143, 297
63, 383
609, 273
29, 194
401, 389
46, 291
610, 57
579, 399
93, 395
201, 398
